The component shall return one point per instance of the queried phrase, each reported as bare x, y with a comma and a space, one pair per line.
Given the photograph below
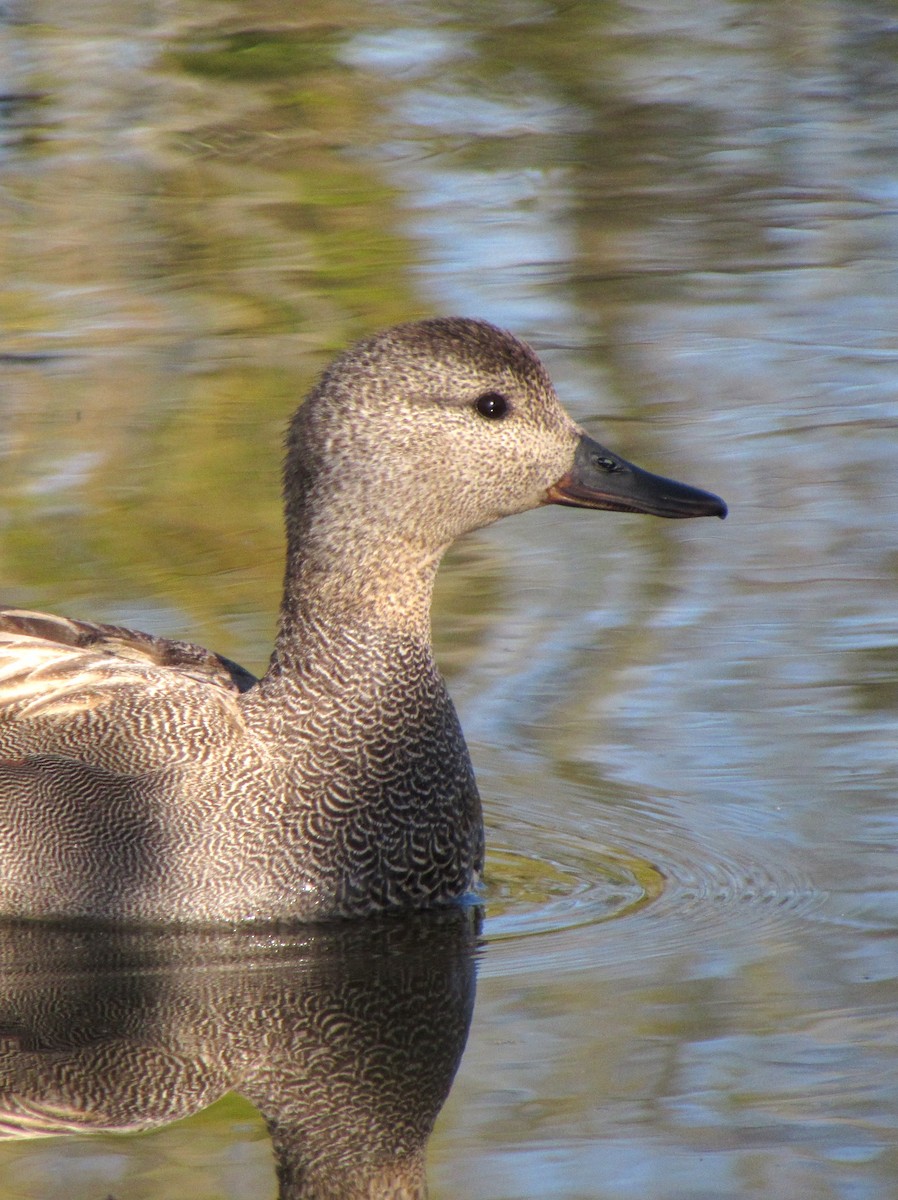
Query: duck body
144, 780
132, 791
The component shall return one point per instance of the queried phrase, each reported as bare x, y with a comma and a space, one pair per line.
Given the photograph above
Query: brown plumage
149, 780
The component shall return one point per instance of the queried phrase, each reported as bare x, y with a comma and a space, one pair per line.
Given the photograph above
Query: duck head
434, 428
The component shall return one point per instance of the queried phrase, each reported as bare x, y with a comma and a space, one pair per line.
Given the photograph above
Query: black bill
601, 479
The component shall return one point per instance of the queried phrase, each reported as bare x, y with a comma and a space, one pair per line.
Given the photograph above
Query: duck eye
492, 405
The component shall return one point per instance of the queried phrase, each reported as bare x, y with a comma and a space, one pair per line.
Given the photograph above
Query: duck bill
601, 479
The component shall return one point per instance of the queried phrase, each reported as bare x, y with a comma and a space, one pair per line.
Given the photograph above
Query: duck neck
378, 591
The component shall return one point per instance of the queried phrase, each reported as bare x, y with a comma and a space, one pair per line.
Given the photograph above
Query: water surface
684, 732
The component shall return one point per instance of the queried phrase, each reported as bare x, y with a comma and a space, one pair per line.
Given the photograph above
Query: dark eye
492, 405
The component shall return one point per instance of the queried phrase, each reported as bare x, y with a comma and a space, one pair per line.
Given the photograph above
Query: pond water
684, 733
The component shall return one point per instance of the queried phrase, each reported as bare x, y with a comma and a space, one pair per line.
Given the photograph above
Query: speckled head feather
431, 358
146, 780
391, 436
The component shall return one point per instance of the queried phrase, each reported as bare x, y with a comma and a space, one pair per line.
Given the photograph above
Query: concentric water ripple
559, 897
527, 895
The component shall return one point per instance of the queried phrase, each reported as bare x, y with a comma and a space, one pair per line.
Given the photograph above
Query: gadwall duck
148, 780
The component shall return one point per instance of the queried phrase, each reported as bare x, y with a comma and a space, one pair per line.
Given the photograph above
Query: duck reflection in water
345, 1037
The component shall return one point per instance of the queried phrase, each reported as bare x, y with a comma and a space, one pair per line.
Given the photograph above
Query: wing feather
113, 697
117, 643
